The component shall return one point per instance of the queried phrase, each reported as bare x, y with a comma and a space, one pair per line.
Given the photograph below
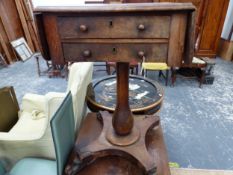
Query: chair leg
173, 76
167, 73
202, 78
137, 70
132, 70
38, 65
142, 72
108, 69
160, 73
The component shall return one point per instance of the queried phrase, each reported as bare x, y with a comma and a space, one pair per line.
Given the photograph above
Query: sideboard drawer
115, 52
114, 27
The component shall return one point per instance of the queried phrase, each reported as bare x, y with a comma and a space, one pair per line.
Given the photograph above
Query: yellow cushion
155, 66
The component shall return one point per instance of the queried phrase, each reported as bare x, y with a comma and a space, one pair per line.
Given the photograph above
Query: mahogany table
159, 32
114, 165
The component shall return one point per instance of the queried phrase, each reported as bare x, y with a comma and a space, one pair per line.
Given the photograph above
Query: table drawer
114, 27
114, 52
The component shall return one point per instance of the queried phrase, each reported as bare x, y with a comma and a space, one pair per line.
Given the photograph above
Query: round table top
145, 95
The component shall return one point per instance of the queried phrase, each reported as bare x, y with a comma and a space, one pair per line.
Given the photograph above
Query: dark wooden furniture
190, 71
145, 96
121, 33
209, 23
114, 165
76, 35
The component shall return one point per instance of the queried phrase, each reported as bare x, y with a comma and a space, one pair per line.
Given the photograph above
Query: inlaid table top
145, 96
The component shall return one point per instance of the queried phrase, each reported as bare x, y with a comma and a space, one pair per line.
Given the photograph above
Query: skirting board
225, 49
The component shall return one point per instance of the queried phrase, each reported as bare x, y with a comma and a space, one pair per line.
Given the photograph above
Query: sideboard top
131, 7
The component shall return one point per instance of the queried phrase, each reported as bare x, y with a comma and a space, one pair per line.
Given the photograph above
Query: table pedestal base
137, 153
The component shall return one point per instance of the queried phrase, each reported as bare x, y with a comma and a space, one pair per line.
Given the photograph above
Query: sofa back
79, 78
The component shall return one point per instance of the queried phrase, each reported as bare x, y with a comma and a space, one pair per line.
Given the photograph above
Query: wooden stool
156, 67
195, 69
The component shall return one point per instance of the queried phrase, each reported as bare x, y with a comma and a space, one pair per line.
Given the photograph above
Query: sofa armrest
54, 100
32, 102
27, 128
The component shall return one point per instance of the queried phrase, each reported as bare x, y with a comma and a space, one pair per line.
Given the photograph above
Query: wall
15, 22
228, 22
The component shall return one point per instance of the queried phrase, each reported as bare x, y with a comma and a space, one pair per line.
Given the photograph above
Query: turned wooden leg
137, 70
108, 69
122, 117
202, 78
167, 72
173, 75
38, 65
160, 73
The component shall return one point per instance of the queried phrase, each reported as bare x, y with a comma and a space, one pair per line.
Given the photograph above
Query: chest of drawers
160, 32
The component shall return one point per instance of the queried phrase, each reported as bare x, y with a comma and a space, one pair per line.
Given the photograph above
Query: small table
145, 96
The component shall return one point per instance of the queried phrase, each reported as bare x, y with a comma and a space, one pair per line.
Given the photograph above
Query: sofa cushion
29, 128
154, 66
34, 166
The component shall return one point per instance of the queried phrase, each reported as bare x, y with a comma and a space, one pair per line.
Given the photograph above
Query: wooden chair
63, 141
39, 56
195, 69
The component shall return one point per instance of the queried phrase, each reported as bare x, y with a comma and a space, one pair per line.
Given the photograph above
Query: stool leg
167, 72
142, 72
202, 78
38, 65
137, 70
108, 69
160, 73
173, 76
132, 70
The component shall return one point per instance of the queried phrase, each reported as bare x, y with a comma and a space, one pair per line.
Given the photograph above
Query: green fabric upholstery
34, 166
8, 109
2, 170
62, 125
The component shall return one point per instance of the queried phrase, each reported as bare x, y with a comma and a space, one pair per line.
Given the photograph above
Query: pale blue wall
228, 22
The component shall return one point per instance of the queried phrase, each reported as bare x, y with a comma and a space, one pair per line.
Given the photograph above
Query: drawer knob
141, 54
141, 27
83, 28
86, 53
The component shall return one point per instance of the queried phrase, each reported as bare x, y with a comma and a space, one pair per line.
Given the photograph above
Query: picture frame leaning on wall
22, 49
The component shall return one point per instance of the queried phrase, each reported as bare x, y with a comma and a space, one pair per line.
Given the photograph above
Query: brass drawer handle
86, 53
141, 27
83, 28
141, 53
